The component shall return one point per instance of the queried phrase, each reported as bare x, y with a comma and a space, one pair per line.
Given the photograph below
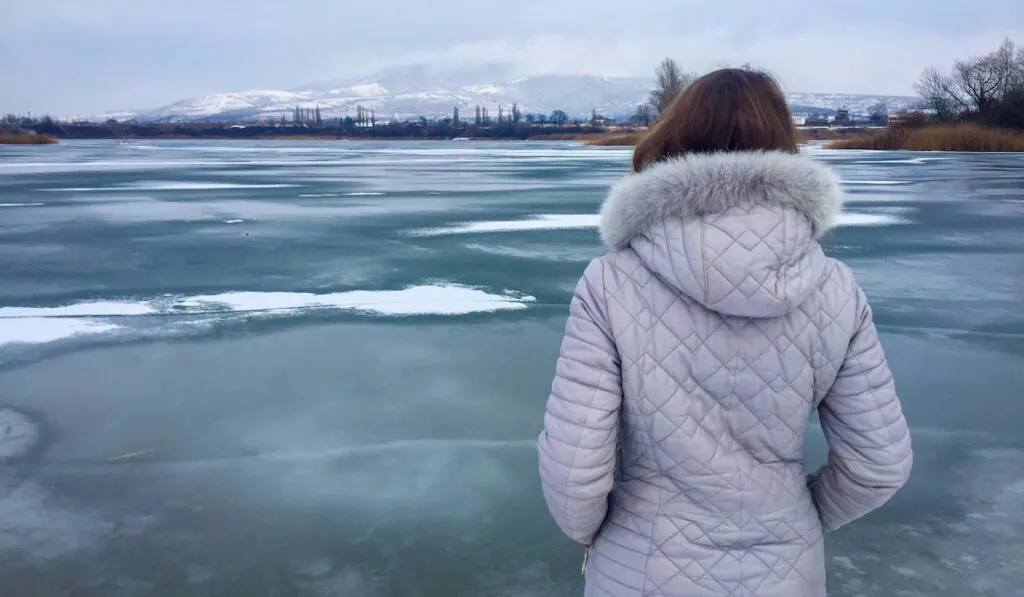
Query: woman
695, 353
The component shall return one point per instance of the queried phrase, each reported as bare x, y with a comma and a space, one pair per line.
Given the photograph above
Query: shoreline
542, 138
955, 138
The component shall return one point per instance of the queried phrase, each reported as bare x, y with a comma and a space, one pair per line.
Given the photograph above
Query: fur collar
704, 184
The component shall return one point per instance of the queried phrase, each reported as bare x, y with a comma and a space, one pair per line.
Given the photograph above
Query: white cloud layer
85, 56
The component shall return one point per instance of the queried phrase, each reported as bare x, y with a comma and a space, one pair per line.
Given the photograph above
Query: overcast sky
80, 57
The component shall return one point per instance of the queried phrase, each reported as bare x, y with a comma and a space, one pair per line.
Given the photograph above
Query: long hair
726, 110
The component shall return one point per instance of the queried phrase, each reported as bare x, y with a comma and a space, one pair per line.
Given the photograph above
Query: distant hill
402, 93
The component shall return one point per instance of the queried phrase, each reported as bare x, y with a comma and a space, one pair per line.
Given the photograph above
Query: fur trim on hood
703, 184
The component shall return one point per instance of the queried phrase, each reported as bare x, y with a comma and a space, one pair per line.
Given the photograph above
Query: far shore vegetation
977, 106
9, 138
936, 137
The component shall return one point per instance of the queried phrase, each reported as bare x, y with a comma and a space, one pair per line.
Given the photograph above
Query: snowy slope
409, 92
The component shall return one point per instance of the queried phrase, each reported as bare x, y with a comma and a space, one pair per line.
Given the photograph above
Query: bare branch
671, 81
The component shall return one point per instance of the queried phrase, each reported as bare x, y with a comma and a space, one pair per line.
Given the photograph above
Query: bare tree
642, 117
671, 81
979, 81
938, 93
977, 86
879, 112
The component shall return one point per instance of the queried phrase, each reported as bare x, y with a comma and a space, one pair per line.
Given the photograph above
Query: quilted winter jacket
694, 355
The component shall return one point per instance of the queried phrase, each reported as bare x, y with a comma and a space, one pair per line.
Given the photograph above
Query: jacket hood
735, 231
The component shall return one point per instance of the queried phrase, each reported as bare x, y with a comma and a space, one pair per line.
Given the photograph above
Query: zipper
586, 554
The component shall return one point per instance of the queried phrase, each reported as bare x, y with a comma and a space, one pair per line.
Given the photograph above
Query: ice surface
34, 524
18, 434
322, 447
128, 208
553, 252
21, 204
174, 186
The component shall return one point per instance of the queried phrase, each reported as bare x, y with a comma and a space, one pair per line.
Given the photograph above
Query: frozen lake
305, 369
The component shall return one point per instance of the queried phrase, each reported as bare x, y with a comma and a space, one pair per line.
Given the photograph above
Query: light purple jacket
694, 355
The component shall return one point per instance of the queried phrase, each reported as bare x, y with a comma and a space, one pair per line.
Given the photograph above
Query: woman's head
725, 110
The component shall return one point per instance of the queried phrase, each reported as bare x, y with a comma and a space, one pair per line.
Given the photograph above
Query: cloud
85, 56
878, 61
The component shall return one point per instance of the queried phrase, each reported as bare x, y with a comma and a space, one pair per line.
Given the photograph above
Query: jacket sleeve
578, 444
870, 455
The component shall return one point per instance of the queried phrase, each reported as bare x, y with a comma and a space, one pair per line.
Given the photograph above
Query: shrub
25, 139
958, 137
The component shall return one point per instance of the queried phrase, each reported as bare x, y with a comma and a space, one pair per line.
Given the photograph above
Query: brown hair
726, 110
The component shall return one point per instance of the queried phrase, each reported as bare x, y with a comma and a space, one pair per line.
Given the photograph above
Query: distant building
842, 116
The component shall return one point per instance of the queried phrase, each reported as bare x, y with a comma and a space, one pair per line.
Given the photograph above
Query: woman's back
695, 353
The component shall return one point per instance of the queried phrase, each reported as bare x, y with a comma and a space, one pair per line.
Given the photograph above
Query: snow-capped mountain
402, 93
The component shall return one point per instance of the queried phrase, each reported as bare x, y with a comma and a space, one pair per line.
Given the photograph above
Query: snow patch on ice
572, 221
539, 222
883, 183
40, 325
89, 309
872, 219
417, 300
40, 330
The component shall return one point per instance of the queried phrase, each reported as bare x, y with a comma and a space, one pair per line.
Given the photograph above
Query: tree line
312, 118
986, 90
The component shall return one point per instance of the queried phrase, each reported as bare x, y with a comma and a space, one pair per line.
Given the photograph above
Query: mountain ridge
409, 92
